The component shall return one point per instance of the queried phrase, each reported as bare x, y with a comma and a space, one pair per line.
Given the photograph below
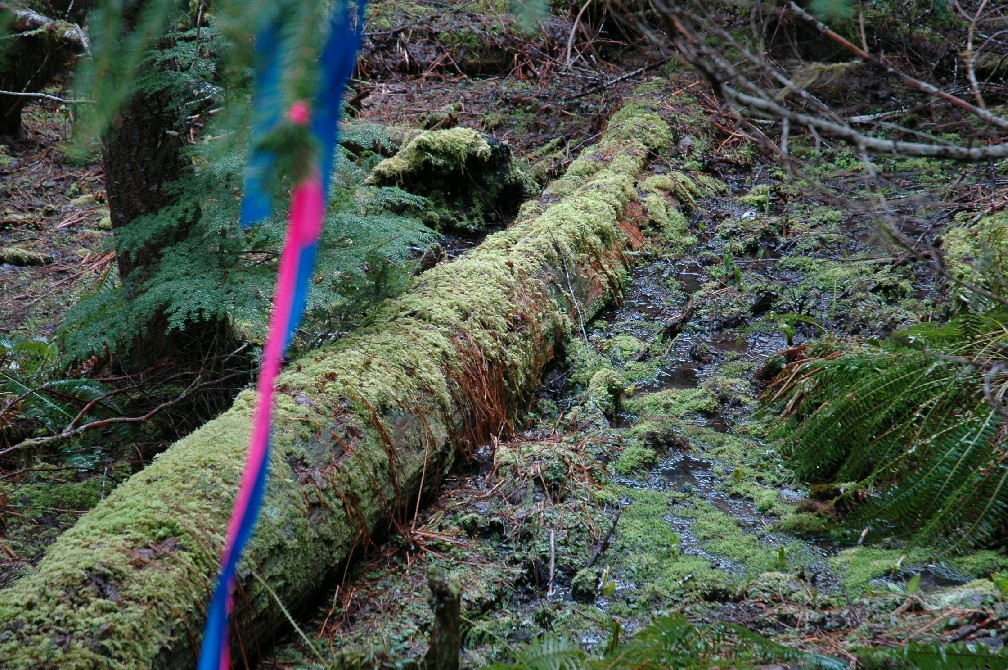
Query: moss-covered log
469, 183
362, 429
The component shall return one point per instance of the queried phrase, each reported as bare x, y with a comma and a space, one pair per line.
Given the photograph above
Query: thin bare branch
46, 96
195, 386
883, 65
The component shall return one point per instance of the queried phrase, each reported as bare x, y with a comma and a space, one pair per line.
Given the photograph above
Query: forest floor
679, 503
578, 525
581, 526
54, 225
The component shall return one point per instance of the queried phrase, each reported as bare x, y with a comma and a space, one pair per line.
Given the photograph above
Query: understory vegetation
784, 444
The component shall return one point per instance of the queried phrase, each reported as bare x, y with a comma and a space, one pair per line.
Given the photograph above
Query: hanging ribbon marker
297, 260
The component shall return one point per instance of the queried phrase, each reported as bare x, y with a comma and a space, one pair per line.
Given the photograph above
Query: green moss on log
470, 182
23, 257
359, 428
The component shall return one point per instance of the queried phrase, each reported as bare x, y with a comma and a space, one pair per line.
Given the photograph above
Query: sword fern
917, 421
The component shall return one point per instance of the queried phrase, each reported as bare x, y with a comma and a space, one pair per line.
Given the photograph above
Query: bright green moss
981, 563
127, 586
758, 197
646, 552
635, 459
860, 565
978, 255
605, 392
676, 184
449, 150
664, 198
674, 403
635, 122
469, 183
23, 257
65, 496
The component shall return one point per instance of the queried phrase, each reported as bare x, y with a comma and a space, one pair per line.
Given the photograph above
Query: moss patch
471, 182
23, 257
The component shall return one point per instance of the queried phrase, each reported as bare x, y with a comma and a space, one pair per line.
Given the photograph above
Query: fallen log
35, 49
362, 429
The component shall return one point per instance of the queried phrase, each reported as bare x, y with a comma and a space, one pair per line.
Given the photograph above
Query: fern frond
909, 420
551, 653
210, 270
674, 642
935, 657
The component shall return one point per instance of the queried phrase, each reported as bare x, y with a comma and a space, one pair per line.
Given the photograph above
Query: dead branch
46, 96
741, 93
27, 23
196, 385
910, 81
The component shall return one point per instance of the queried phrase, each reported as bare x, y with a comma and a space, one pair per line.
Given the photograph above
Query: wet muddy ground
677, 502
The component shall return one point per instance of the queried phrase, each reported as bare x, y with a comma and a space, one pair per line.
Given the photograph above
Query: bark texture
446, 634
361, 428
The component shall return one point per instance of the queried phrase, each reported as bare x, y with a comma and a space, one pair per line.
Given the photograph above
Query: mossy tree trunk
142, 157
362, 428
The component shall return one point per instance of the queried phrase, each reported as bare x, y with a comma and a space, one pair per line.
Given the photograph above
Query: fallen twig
603, 544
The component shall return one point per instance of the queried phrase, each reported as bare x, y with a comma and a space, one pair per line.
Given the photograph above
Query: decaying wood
35, 48
446, 634
360, 427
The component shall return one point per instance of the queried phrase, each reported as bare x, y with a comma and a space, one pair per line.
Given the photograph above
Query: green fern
218, 272
36, 399
552, 654
672, 642
933, 656
908, 421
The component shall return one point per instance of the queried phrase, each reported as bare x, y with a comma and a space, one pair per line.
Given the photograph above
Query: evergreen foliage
671, 642
674, 642
219, 272
917, 420
550, 654
207, 269
933, 656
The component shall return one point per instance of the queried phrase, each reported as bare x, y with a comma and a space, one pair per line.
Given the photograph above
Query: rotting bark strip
360, 427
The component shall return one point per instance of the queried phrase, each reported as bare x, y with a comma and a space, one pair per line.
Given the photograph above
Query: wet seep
663, 497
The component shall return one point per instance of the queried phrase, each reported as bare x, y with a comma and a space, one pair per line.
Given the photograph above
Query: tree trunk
362, 429
142, 156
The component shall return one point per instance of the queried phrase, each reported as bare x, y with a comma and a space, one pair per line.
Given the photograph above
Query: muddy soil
677, 502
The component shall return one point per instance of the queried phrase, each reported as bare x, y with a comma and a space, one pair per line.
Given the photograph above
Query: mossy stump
360, 427
470, 181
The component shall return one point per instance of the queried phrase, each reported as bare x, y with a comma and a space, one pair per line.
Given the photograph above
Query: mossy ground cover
710, 521
435, 372
644, 485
